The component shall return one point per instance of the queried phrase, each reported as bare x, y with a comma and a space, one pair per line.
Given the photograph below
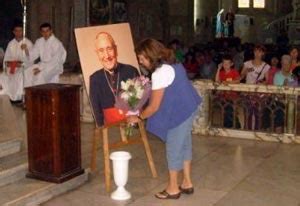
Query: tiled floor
226, 172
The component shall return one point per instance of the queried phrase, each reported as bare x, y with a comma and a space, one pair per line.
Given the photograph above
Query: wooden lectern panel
53, 130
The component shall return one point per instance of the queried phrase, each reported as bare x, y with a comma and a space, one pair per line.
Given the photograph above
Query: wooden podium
53, 130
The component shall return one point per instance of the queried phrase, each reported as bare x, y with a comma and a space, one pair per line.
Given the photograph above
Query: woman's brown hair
155, 52
260, 47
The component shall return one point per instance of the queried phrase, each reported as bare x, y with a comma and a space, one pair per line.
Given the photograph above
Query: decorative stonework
201, 120
202, 125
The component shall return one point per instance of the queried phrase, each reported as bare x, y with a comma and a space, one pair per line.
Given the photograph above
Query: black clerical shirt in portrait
104, 86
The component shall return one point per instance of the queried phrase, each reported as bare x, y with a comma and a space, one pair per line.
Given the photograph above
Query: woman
190, 65
284, 77
170, 113
294, 53
256, 70
273, 70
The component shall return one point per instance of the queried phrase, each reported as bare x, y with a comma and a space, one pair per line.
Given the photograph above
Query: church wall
207, 10
61, 15
160, 19
147, 18
260, 18
181, 20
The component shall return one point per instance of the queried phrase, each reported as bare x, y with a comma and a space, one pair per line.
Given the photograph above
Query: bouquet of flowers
132, 97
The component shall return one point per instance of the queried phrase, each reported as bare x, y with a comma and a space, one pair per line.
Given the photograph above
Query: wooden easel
124, 141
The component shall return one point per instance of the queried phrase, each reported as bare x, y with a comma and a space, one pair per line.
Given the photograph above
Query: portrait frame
85, 39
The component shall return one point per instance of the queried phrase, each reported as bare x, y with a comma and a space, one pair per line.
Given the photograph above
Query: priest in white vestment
14, 62
52, 55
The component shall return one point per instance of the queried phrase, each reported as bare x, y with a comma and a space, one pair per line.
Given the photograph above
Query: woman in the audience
237, 57
209, 68
294, 53
255, 71
284, 77
296, 74
199, 56
273, 70
190, 65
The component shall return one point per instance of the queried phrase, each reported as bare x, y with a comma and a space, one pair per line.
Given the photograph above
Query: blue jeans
179, 144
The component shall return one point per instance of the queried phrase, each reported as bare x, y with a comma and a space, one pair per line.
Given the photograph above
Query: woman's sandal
165, 195
187, 191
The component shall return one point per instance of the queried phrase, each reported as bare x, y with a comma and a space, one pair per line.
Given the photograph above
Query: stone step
9, 147
34, 192
13, 168
10, 128
13, 174
11, 134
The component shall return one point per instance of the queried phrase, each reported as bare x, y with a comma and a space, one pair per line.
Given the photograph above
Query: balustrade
262, 112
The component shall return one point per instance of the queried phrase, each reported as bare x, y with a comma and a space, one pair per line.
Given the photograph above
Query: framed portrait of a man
107, 58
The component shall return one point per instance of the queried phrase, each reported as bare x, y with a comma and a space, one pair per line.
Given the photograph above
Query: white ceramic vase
120, 161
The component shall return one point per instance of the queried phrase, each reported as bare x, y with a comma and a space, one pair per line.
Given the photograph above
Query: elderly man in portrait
14, 62
105, 83
52, 55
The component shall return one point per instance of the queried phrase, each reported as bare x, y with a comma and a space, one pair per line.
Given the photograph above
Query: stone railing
260, 112
290, 23
262, 103
281, 23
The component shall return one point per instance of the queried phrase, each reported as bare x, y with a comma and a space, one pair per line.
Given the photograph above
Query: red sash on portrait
113, 115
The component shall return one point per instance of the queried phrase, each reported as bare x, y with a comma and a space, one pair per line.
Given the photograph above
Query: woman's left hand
132, 119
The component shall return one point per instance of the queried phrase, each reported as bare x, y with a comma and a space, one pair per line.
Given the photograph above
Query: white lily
124, 85
139, 92
125, 96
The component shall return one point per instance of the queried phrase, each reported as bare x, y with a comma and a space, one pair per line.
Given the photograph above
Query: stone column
294, 25
275, 7
290, 122
201, 122
296, 7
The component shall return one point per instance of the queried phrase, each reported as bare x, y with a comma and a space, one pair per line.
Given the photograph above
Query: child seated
226, 74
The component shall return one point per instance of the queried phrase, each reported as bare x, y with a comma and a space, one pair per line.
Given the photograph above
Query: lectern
53, 130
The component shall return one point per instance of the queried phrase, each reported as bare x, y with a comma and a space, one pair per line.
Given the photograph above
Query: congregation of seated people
256, 64
249, 64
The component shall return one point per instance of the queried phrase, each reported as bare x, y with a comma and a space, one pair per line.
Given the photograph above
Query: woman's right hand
133, 119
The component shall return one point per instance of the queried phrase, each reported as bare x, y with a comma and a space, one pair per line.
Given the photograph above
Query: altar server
14, 62
52, 55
